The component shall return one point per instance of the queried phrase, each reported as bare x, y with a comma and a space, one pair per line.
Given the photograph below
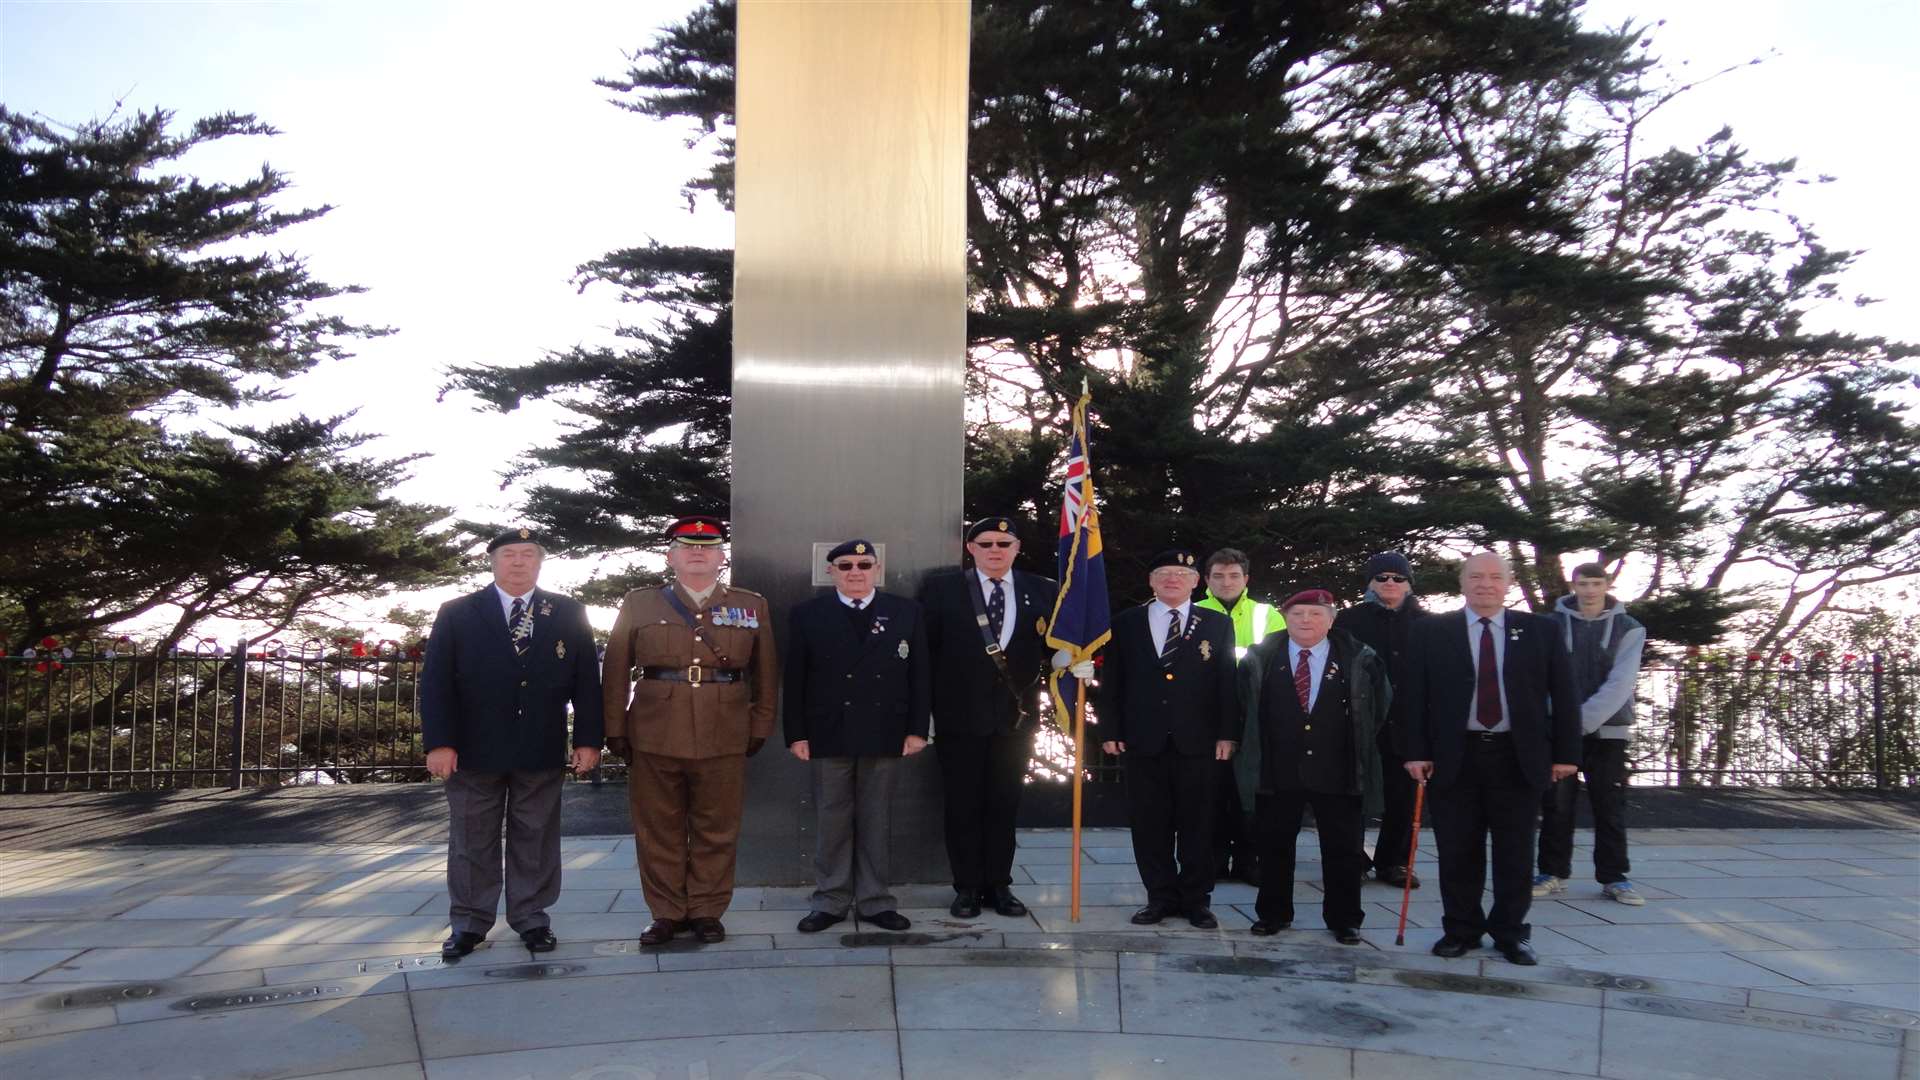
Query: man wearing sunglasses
858, 687
1380, 621
986, 630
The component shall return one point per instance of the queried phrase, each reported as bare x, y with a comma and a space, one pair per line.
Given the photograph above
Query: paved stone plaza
1760, 953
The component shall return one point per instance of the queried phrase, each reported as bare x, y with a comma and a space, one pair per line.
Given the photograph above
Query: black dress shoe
816, 921
1005, 903
966, 904
460, 944
708, 931
1346, 935
1201, 919
659, 932
539, 939
1518, 952
1149, 915
888, 920
1452, 947
1398, 877
1263, 928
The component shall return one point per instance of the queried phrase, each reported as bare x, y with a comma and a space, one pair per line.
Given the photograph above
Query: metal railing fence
349, 713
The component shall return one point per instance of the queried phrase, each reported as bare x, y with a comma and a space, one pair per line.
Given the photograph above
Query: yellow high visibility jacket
1252, 622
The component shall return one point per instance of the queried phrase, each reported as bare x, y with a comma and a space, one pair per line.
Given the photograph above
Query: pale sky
473, 165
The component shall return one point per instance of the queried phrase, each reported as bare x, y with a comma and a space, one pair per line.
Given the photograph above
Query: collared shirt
1500, 659
985, 585
700, 597
506, 602
1316, 665
865, 602
1157, 621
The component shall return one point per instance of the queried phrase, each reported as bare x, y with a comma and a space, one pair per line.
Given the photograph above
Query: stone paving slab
309, 960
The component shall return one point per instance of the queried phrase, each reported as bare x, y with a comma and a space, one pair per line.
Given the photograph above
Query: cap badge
859, 549
524, 534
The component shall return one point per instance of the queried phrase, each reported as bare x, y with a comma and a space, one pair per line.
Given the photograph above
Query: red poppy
49, 643
359, 648
48, 666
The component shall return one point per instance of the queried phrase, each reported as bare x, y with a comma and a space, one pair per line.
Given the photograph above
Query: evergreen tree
133, 309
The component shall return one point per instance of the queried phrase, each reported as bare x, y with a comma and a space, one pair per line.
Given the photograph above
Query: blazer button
1309, 727
523, 682
1309, 753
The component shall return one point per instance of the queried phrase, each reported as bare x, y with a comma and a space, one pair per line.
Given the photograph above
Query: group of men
1213, 708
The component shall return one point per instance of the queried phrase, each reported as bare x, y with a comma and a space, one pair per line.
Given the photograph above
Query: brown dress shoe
709, 931
659, 932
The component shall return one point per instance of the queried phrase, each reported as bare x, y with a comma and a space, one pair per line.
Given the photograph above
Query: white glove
1061, 658
1082, 670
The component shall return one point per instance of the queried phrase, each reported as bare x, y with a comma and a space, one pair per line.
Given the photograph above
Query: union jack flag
1081, 615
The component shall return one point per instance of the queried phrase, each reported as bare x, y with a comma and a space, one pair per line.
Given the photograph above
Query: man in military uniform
1170, 709
502, 665
858, 687
986, 628
697, 659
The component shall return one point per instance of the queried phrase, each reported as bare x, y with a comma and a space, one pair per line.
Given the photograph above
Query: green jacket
1369, 695
1252, 622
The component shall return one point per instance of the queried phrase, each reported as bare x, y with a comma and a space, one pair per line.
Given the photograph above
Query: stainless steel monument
849, 338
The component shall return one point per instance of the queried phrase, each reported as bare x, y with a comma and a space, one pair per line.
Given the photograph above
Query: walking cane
1406, 888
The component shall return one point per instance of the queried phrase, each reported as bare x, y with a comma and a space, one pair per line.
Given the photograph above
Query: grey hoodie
1606, 664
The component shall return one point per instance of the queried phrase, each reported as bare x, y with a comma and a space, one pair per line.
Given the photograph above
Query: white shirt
986, 594
1157, 621
1500, 663
865, 602
1316, 666
506, 602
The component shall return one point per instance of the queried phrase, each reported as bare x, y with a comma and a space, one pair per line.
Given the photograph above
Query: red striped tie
1303, 680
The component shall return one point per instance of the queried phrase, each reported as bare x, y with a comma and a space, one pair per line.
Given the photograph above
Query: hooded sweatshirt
1606, 664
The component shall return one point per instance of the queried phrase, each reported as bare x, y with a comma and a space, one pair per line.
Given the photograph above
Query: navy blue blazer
504, 711
1542, 705
851, 693
969, 696
1193, 699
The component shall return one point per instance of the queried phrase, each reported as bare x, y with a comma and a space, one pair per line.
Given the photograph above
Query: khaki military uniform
689, 733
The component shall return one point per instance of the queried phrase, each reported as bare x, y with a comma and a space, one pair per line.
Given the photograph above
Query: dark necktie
997, 609
1303, 680
1487, 691
1173, 632
858, 604
520, 625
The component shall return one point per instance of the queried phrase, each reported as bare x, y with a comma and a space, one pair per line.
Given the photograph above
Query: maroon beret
1309, 596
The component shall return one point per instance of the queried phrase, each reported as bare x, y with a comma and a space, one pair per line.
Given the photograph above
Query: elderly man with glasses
986, 629
858, 688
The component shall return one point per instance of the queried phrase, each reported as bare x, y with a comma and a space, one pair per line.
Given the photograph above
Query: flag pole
1079, 740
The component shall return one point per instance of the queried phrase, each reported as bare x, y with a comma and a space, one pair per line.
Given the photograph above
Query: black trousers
1490, 798
1231, 837
1170, 809
1343, 855
1390, 844
983, 776
1604, 764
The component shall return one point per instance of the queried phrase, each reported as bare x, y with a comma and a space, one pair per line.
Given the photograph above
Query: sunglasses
995, 543
1395, 578
849, 567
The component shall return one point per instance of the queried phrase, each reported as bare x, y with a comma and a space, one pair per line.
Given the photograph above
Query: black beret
1000, 523
1180, 557
697, 529
516, 536
852, 547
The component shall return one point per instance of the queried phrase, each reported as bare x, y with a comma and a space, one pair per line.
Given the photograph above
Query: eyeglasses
1395, 578
849, 567
995, 543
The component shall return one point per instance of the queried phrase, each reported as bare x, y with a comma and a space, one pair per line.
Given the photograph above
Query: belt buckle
693, 674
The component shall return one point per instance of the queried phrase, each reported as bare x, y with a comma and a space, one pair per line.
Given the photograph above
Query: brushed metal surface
849, 339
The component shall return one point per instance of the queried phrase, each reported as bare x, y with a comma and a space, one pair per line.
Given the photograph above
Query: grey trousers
852, 797
529, 802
